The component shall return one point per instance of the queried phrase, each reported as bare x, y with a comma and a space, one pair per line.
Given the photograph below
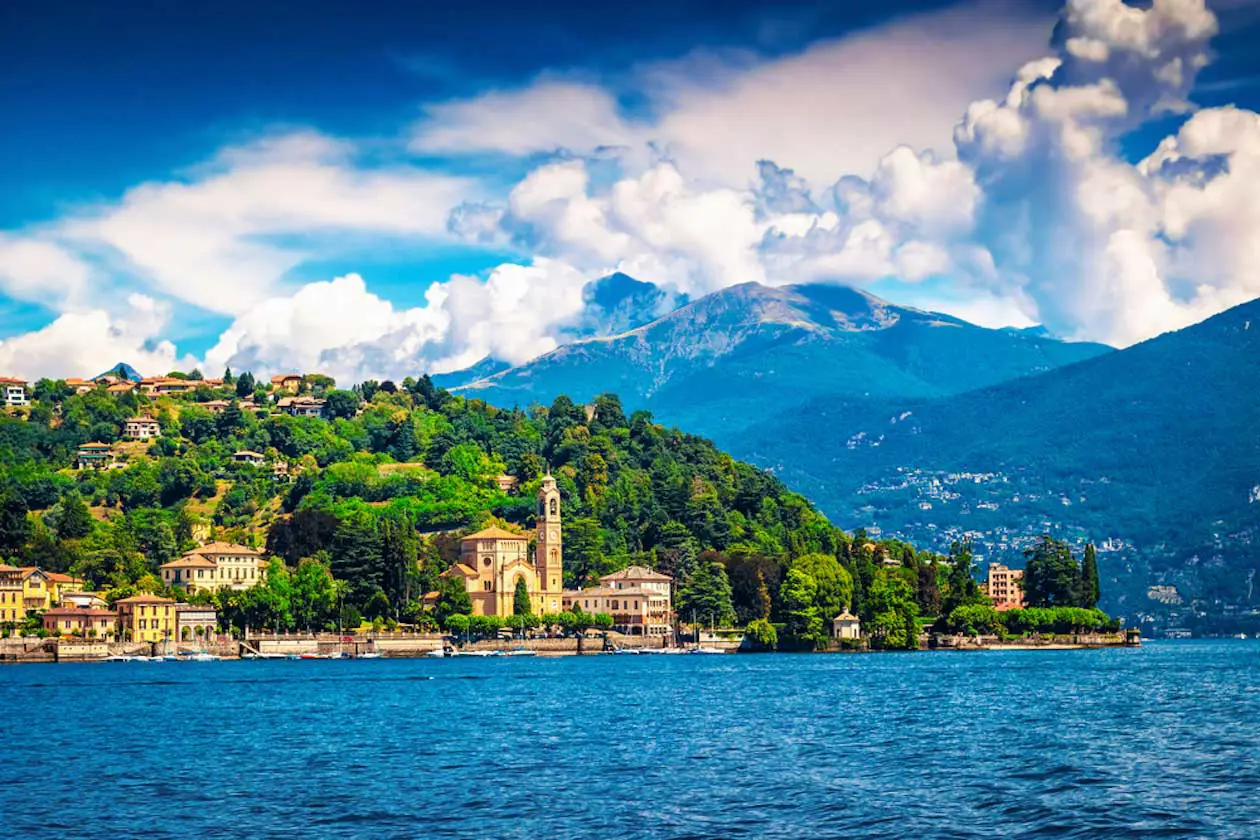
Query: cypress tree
520, 599
1090, 591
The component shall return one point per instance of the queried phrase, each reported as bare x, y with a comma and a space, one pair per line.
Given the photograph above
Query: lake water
1163, 741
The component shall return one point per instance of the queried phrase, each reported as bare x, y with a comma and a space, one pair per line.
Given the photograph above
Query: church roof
460, 569
636, 573
845, 616
494, 533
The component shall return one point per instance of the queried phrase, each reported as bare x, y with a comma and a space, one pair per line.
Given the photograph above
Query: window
555, 506
614, 606
487, 586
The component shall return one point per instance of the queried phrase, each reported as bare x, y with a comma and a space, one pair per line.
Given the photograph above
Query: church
491, 562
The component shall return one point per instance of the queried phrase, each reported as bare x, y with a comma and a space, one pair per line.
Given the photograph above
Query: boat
437, 652
520, 652
124, 658
1241, 636
369, 655
202, 656
476, 653
707, 650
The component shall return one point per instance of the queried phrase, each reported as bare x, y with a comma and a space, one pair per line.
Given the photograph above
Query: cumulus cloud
340, 328
84, 342
222, 239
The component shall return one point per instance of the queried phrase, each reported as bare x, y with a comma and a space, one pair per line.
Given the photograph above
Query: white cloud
36, 270
546, 117
217, 239
834, 108
340, 328
84, 343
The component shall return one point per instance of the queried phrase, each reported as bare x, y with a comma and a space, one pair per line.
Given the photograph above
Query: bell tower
548, 556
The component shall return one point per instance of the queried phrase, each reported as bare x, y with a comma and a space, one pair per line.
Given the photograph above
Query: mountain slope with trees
371, 504
1154, 450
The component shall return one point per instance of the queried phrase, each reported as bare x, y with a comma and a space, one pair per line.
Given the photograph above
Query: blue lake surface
1163, 741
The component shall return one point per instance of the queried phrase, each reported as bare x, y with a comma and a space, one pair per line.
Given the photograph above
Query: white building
141, 428
846, 626
14, 391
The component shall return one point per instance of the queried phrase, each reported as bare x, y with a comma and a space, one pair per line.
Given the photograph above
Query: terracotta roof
494, 533
145, 599
609, 592
9, 380
96, 445
89, 612
6, 568
248, 453
845, 616
189, 561
636, 573
60, 578
121, 387
223, 548
280, 377
460, 569
141, 420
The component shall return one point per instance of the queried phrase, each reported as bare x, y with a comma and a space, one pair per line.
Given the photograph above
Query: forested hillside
380, 491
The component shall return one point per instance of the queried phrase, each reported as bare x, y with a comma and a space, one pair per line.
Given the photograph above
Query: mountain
742, 354
1153, 451
613, 304
122, 370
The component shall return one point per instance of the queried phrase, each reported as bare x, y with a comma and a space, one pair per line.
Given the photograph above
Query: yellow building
492, 561
146, 618
216, 565
42, 590
12, 607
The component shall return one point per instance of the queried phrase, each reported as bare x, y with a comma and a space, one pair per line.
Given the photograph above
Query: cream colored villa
215, 565
493, 560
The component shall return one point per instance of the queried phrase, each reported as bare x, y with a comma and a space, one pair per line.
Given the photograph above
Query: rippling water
1158, 742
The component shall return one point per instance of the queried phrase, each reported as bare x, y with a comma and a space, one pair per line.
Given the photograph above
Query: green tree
835, 584
761, 634
341, 404
314, 595
802, 622
1089, 589
74, 520
453, 599
520, 598
15, 526
1051, 575
245, 385
961, 586
706, 595
894, 614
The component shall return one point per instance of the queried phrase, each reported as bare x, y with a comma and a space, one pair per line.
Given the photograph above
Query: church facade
491, 562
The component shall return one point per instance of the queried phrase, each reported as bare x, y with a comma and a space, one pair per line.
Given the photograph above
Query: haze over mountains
924, 426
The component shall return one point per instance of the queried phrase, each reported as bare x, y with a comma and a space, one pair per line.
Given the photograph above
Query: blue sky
140, 156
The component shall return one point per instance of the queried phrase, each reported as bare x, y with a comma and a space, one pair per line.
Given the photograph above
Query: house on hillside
289, 382
96, 456
507, 483
141, 428
301, 406
248, 456
167, 385
14, 391
80, 386
216, 565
